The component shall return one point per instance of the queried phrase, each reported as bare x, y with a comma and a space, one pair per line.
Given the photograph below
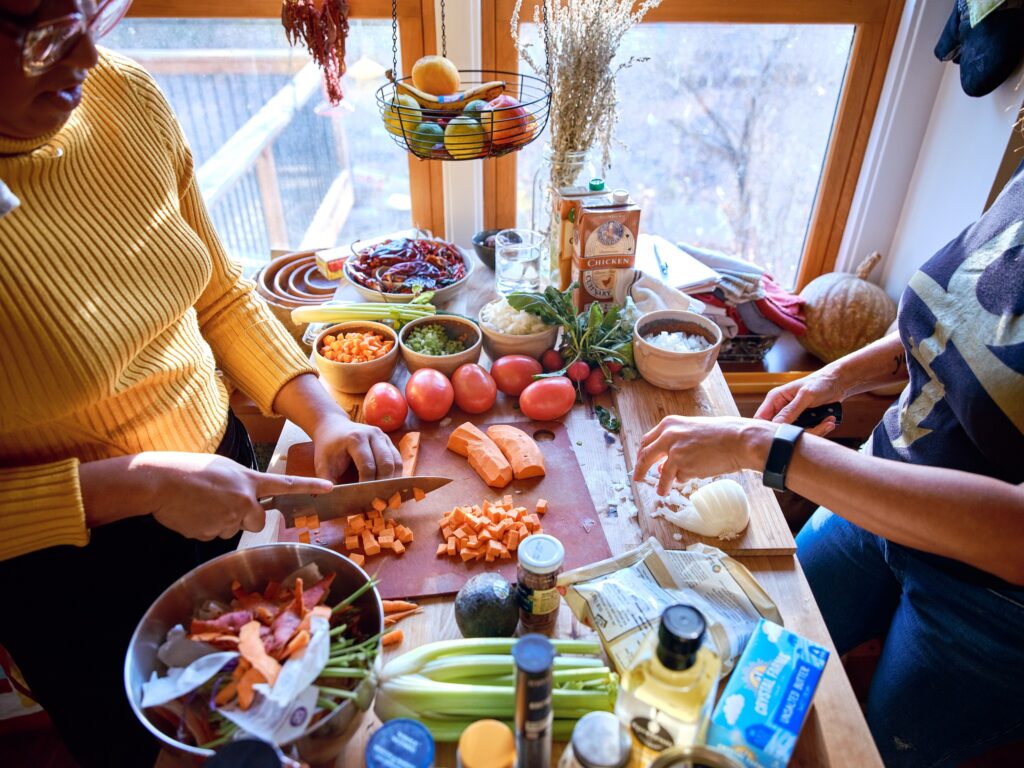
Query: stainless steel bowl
254, 568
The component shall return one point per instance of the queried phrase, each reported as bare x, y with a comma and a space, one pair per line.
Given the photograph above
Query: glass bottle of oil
666, 696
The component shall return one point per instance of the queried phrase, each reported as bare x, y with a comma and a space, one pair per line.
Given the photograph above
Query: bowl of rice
675, 349
510, 331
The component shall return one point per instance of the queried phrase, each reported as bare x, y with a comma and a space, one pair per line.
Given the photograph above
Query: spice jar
599, 740
486, 744
540, 562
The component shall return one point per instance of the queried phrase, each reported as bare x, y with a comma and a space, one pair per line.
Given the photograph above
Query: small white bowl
446, 364
498, 344
675, 370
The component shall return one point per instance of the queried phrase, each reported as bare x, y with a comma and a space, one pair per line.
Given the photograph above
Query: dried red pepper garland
322, 25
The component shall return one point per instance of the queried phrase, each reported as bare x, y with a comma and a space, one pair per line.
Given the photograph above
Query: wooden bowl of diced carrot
354, 356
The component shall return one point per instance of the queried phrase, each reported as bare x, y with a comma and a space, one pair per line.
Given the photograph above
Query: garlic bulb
718, 509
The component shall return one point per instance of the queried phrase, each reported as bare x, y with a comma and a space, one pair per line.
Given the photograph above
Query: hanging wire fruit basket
492, 114
442, 113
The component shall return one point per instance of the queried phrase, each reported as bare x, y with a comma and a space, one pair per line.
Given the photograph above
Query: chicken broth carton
604, 243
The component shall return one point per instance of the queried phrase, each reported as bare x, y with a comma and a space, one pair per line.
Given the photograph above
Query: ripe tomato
430, 394
385, 407
552, 361
475, 390
514, 373
595, 383
548, 399
578, 371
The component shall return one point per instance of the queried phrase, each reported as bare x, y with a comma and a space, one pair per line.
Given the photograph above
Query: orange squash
520, 449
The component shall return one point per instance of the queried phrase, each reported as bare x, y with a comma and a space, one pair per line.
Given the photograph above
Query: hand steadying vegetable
337, 440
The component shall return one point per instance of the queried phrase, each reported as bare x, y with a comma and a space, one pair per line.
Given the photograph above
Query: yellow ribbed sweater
117, 305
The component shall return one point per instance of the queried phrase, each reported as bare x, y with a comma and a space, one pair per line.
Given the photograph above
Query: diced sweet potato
418, 494
356, 558
299, 521
404, 535
356, 523
312, 521
351, 542
379, 505
395, 501
442, 549
398, 547
409, 448
451, 546
542, 506
385, 541
304, 537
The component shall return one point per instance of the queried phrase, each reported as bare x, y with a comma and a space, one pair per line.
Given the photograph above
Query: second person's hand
784, 404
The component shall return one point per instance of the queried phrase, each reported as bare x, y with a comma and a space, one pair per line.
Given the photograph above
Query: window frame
416, 39
875, 23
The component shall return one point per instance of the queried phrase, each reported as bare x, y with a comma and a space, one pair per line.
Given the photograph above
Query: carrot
397, 606
246, 694
394, 637
394, 618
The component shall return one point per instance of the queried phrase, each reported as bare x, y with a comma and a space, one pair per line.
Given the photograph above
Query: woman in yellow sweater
118, 305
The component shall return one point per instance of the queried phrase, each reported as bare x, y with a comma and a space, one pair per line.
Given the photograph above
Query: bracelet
779, 455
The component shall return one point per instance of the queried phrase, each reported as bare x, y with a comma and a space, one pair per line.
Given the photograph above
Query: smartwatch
779, 455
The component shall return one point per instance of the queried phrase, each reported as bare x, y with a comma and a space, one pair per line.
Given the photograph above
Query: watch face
779, 455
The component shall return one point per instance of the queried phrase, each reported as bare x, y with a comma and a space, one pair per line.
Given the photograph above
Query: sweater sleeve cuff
41, 506
260, 359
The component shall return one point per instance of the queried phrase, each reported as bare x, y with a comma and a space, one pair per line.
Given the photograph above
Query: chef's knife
351, 498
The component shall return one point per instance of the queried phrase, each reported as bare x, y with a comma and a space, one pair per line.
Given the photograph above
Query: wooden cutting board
641, 406
571, 518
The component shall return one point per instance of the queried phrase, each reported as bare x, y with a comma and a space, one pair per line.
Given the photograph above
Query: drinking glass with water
518, 257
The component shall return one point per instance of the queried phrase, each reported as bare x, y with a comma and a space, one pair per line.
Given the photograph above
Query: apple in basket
506, 120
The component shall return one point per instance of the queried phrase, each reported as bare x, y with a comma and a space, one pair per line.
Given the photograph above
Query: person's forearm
968, 517
881, 362
304, 401
115, 489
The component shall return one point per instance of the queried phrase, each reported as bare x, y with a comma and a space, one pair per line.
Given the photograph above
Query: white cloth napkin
650, 294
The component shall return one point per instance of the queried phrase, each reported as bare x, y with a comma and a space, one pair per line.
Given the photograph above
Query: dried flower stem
583, 37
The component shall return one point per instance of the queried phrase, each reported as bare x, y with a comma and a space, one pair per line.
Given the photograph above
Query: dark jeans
948, 684
67, 613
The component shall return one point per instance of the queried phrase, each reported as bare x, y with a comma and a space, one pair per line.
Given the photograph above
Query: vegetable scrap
323, 29
608, 419
491, 531
249, 664
406, 265
394, 612
355, 347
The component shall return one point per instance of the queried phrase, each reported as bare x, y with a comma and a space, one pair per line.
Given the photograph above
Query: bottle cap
600, 741
620, 196
680, 635
541, 553
487, 744
401, 741
533, 654
596, 185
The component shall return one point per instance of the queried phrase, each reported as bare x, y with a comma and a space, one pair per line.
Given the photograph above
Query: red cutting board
571, 518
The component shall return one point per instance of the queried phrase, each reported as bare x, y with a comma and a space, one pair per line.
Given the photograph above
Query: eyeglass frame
83, 26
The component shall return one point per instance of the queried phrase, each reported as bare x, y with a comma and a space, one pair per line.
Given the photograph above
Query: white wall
957, 163
932, 157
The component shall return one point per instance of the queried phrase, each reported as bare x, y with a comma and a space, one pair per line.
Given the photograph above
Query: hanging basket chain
547, 40
394, 37
444, 34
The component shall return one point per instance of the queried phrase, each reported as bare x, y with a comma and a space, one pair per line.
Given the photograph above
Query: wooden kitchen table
835, 733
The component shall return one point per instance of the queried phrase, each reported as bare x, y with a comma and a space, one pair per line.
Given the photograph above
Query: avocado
486, 607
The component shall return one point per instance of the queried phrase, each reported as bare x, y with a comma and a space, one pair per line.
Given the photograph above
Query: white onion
718, 509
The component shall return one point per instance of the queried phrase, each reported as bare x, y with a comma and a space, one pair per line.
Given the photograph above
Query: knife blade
352, 498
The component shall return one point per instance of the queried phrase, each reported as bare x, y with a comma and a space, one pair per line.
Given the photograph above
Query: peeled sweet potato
409, 448
460, 439
520, 449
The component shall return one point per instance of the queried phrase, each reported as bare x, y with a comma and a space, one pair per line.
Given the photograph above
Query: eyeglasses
45, 44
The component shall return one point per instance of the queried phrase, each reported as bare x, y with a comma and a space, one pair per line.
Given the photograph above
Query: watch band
783, 445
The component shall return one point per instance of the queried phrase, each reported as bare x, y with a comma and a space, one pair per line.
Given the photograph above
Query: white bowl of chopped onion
675, 349
509, 331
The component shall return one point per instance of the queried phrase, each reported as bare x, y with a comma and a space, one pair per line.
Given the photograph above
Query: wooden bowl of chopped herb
441, 342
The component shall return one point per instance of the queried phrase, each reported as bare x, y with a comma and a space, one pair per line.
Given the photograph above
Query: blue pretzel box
765, 702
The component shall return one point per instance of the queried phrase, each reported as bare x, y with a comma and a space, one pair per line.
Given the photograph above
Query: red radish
613, 366
578, 371
552, 361
595, 383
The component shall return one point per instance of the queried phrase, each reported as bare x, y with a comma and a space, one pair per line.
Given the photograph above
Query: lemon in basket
464, 137
402, 113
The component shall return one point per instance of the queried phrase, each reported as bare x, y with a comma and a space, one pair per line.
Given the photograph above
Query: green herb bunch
596, 336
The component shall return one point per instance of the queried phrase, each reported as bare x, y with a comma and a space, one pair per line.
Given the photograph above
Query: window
744, 135
278, 166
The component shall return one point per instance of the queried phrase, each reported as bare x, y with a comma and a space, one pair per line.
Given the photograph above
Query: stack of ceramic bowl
291, 281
